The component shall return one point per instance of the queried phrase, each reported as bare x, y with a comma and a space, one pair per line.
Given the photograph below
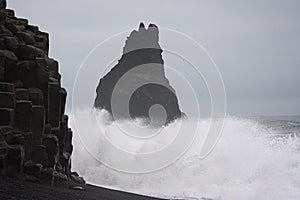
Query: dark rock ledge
35, 140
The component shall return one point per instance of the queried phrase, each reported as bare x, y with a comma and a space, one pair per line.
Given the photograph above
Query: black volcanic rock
142, 68
34, 135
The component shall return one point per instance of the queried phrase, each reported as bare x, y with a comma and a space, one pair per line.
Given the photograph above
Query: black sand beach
12, 189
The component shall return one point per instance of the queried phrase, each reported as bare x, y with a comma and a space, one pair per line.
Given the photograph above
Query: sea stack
35, 140
141, 62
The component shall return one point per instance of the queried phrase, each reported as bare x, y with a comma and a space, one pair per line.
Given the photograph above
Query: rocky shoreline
35, 140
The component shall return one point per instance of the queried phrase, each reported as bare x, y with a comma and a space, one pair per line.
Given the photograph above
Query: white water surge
248, 162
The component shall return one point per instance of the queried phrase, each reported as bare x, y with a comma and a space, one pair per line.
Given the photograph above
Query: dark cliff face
35, 140
141, 62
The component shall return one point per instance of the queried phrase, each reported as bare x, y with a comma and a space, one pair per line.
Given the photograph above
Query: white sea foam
247, 162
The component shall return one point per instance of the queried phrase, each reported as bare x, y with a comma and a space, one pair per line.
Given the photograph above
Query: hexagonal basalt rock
34, 132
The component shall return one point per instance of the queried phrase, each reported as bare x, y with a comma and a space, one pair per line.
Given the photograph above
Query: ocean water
255, 158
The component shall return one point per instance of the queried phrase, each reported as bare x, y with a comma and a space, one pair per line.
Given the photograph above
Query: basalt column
35, 140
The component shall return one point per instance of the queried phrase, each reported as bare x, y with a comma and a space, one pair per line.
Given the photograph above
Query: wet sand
11, 189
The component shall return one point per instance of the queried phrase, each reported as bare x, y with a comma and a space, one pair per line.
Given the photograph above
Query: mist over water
250, 161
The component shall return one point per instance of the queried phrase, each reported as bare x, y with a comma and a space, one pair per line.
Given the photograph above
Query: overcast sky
256, 44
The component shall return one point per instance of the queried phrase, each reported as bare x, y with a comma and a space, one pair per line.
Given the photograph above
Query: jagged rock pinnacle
142, 25
141, 48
